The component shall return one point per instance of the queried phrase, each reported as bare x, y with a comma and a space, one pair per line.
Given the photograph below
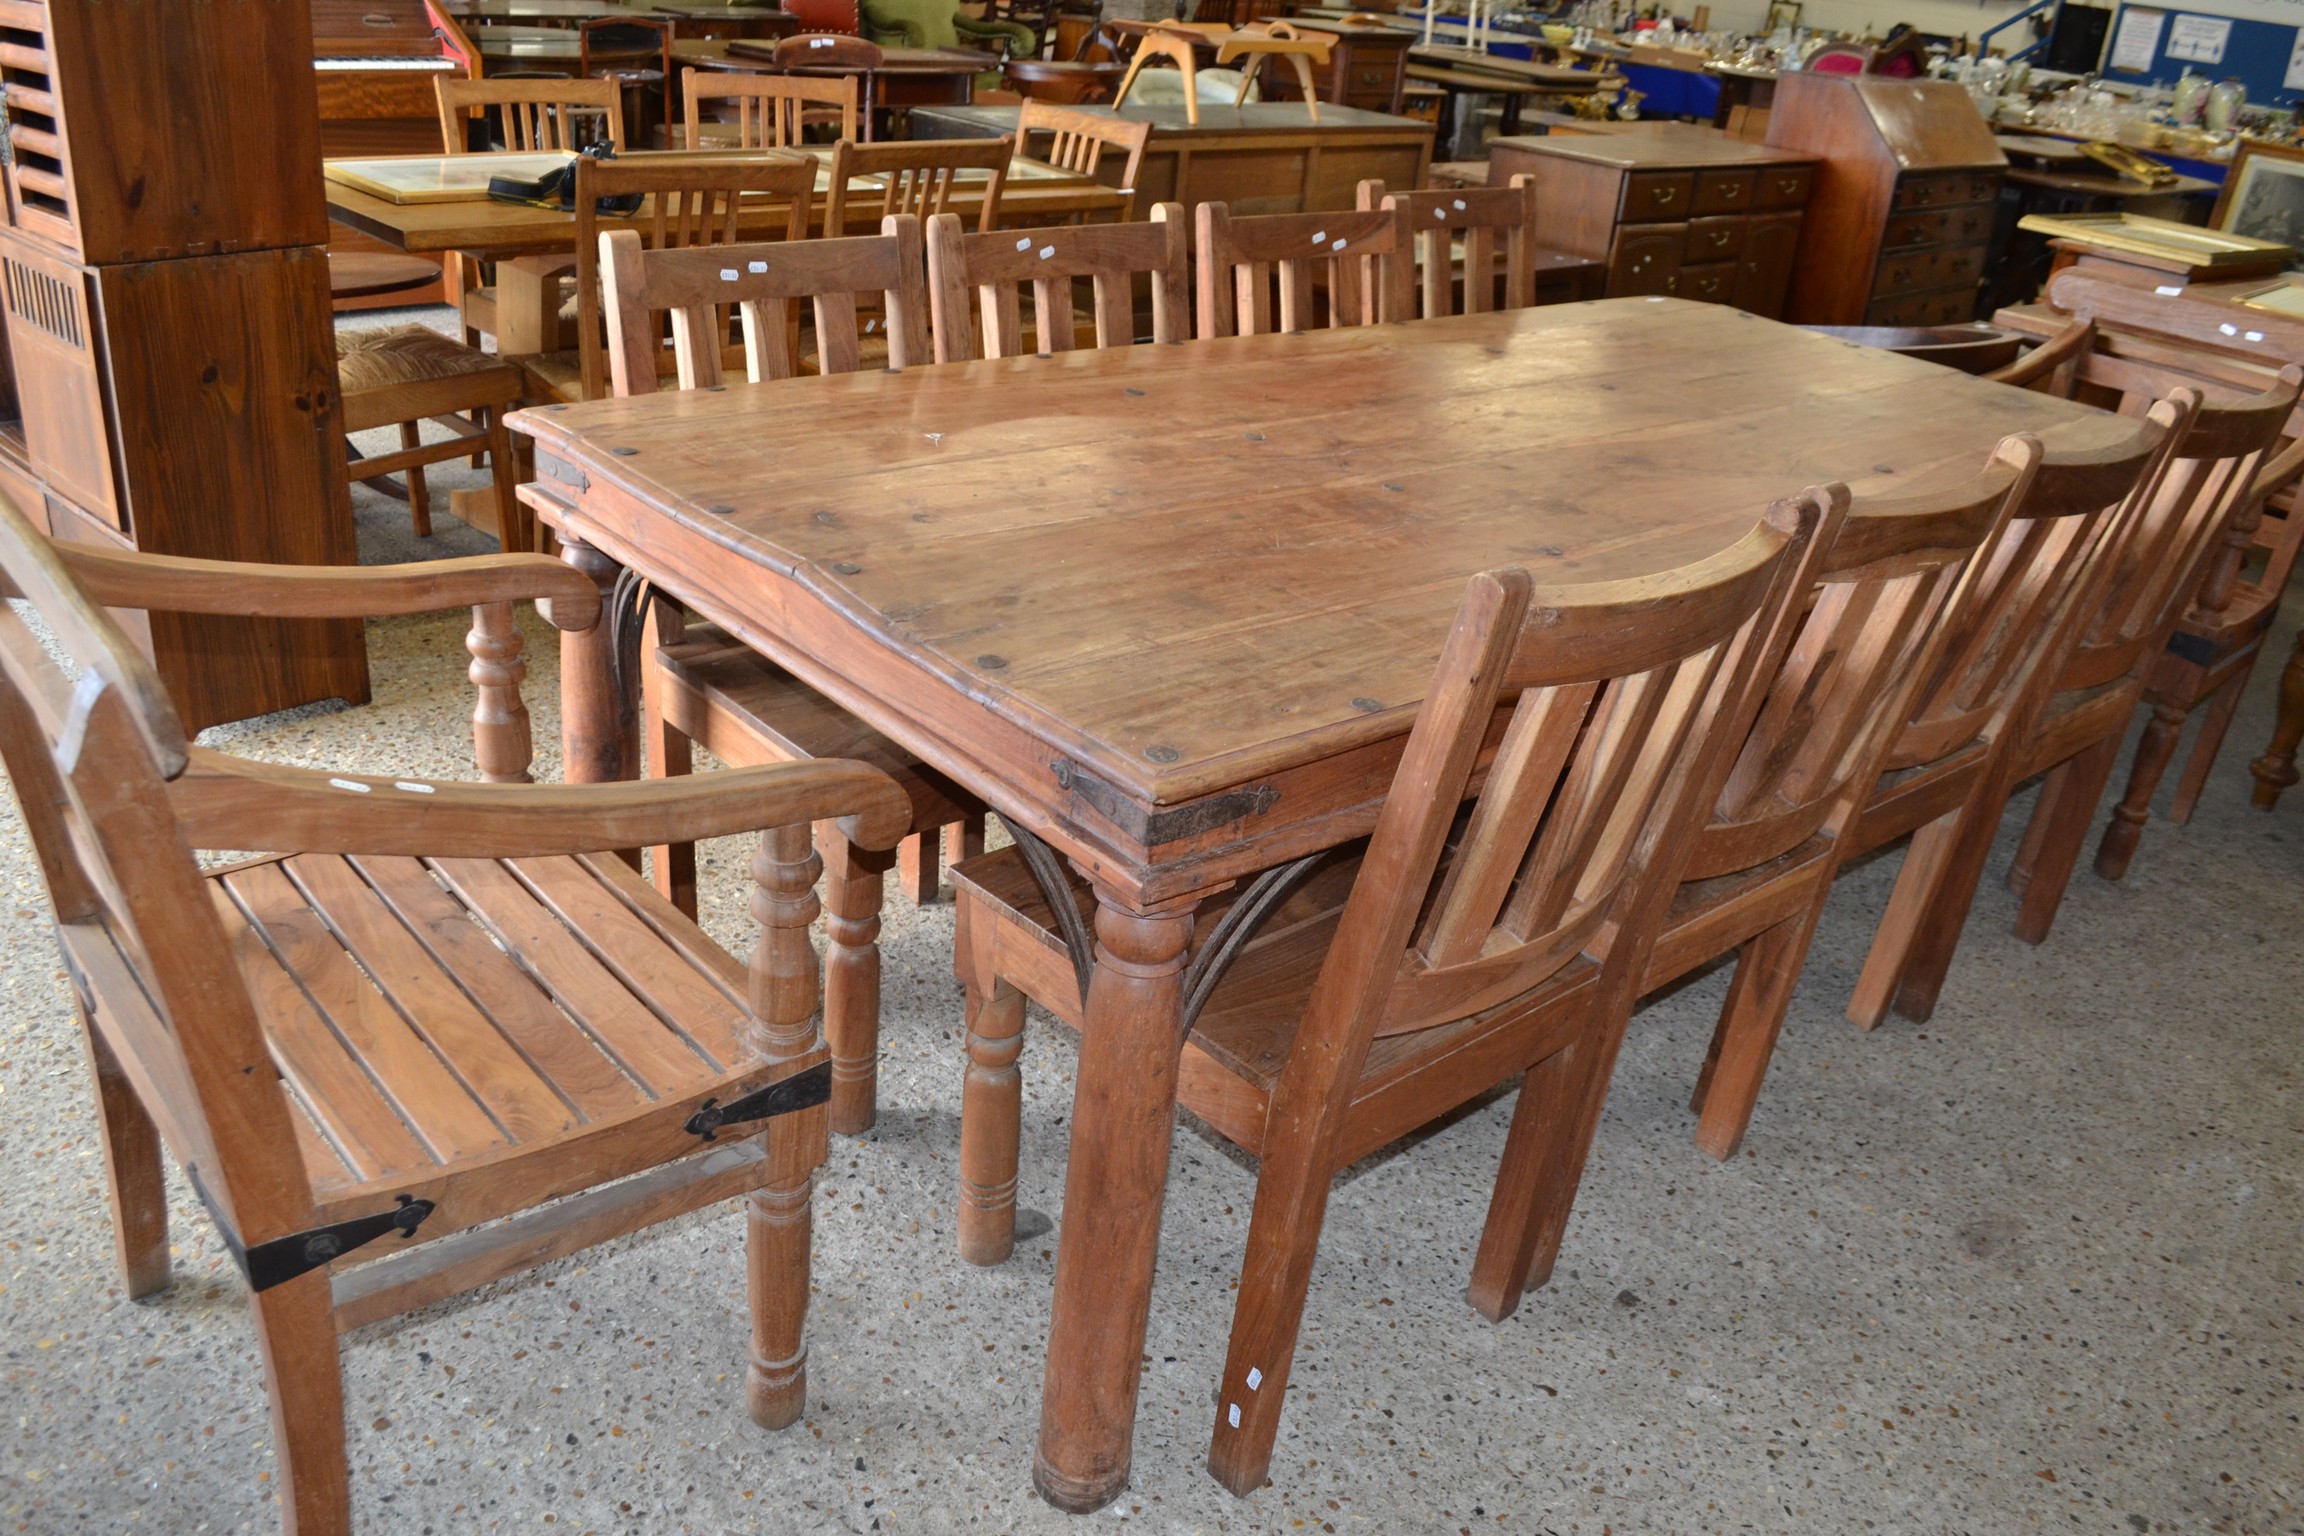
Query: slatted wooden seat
408, 374
1463, 231
1336, 1004
1107, 255
433, 1039
703, 686
1359, 260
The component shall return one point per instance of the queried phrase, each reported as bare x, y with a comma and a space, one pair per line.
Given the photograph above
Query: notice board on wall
2157, 44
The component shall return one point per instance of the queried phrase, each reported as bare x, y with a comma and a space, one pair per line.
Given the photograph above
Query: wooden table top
1187, 567
1035, 190
715, 53
1217, 120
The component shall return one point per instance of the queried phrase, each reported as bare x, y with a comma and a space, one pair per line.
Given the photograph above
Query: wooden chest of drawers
1907, 180
1367, 66
1679, 210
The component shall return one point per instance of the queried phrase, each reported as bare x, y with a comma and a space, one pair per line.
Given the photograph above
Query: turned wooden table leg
595, 744
1123, 1113
2276, 769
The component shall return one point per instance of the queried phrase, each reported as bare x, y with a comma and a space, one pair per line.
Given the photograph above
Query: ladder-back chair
433, 1015
1479, 933
1361, 261
528, 115
1481, 222
703, 686
1109, 255
918, 177
772, 111
1078, 139
1943, 776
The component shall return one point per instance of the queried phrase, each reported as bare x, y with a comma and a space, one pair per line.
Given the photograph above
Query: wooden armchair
702, 685
1361, 260
1109, 255
432, 1039
1462, 231
1483, 931
772, 111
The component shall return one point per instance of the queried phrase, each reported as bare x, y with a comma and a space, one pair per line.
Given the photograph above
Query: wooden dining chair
705, 687
2137, 583
406, 375
1078, 140
694, 202
1462, 231
917, 177
1484, 930
1761, 864
1359, 262
1107, 255
432, 1038
2052, 367
1943, 779
634, 53
772, 111
528, 115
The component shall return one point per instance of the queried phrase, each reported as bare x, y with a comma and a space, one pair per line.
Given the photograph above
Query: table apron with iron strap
1171, 611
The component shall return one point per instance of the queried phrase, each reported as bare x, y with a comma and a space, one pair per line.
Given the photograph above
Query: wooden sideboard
170, 367
1689, 212
1908, 175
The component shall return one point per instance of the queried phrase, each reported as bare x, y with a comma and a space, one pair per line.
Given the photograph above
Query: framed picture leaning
2263, 194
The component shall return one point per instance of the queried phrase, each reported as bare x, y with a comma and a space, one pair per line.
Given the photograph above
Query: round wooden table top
366, 274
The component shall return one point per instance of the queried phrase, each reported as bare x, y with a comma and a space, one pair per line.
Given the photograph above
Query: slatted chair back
1110, 255
771, 110
1831, 702
917, 177
696, 286
1359, 260
694, 203
2150, 567
2052, 367
91, 753
529, 114
1618, 691
1078, 139
1487, 220
2017, 604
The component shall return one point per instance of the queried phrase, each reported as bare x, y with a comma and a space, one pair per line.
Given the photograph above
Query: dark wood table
905, 78
1171, 610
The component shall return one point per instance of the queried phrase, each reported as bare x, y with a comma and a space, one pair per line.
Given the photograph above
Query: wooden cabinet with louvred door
170, 352
1908, 178
1684, 211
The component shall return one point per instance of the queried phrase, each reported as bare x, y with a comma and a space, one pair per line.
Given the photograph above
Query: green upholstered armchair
939, 24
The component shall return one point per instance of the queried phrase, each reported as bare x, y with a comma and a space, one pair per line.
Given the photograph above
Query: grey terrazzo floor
2037, 1266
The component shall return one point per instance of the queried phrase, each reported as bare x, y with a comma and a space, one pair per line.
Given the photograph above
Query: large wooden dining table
1170, 610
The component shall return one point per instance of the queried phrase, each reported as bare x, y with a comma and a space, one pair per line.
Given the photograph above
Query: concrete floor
2035, 1266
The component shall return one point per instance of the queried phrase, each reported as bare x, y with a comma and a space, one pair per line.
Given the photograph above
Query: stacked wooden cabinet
171, 365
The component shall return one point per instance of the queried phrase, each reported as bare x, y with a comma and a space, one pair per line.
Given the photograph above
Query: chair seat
483, 1033
406, 354
1240, 1041
746, 711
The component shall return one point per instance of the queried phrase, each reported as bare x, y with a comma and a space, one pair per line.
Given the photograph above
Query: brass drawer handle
1664, 194
1789, 185
1732, 190
1720, 237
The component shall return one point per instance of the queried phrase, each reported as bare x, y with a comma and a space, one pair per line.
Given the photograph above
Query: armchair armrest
119, 578
229, 802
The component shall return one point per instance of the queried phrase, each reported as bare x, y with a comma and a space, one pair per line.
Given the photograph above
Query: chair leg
2276, 769
1745, 1037
2154, 753
132, 1167
670, 754
296, 1330
964, 839
1912, 949
854, 884
991, 1104
419, 494
1536, 1155
2222, 706
778, 1227
917, 870
2063, 831
515, 525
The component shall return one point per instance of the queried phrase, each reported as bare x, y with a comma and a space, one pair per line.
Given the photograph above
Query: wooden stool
410, 373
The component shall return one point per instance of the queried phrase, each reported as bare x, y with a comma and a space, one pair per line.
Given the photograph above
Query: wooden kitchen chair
1109, 255
704, 686
406, 375
772, 111
1462, 231
1360, 261
1943, 778
693, 203
1336, 1005
1761, 865
2138, 581
1077, 141
433, 1039
917, 176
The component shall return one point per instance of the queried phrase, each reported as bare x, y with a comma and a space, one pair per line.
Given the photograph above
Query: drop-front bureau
1907, 179
1677, 209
